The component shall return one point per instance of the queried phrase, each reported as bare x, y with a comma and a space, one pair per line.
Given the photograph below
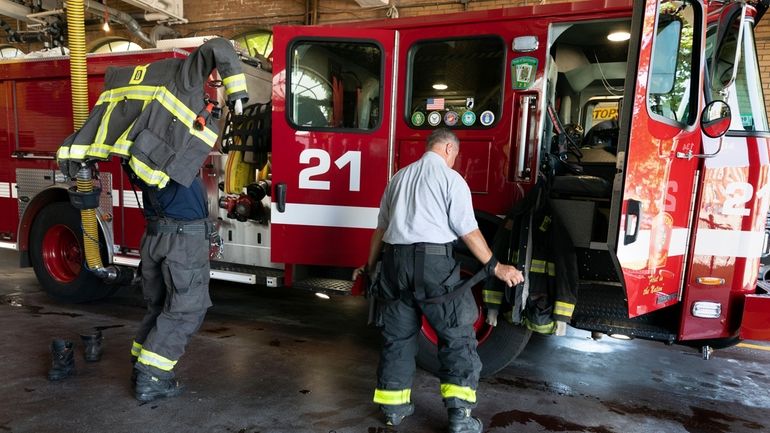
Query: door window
335, 84
746, 92
456, 82
673, 70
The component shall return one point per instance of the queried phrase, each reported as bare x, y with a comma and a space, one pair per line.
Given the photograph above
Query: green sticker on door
523, 72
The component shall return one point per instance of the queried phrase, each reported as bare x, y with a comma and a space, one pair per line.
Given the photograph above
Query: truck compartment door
332, 141
654, 189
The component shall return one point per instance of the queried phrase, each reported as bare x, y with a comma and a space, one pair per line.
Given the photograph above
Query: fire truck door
653, 199
332, 141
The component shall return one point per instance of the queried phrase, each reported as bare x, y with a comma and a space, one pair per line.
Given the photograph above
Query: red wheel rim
480, 327
61, 253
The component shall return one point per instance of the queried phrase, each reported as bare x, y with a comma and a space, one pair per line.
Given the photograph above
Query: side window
335, 84
673, 80
456, 82
745, 92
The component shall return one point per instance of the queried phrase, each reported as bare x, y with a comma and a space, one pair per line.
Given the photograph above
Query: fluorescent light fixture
619, 36
322, 295
620, 336
440, 86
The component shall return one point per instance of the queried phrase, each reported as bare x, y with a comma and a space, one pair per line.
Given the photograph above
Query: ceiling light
322, 295
106, 26
440, 86
619, 36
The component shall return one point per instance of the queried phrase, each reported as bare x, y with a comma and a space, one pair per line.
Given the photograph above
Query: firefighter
424, 209
156, 118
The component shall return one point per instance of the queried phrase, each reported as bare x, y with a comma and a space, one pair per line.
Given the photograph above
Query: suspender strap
419, 273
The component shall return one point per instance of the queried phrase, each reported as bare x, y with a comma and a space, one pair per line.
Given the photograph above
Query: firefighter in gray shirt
425, 208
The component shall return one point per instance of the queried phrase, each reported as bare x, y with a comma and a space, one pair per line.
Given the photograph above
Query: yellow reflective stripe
492, 296
63, 153
149, 176
135, 349
563, 308
154, 360
450, 390
542, 267
183, 113
101, 132
78, 151
234, 83
387, 396
140, 93
548, 328
537, 266
99, 150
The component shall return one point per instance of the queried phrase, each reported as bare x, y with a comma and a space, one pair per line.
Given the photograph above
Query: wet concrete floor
281, 360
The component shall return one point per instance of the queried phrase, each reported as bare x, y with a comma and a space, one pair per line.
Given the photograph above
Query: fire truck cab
646, 120
660, 178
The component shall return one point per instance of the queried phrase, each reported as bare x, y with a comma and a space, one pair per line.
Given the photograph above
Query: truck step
329, 286
246, 274
603, 308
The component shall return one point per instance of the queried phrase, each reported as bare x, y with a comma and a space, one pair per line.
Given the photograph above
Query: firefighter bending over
157, 119
424, 209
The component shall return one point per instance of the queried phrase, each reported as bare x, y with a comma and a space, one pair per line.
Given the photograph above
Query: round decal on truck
418, 118
487, 118
451, 118
469, 118
434, 118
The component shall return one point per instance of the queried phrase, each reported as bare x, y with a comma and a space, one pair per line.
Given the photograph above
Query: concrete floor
280, 360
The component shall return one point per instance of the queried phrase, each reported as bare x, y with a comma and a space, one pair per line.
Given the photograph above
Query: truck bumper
756, 318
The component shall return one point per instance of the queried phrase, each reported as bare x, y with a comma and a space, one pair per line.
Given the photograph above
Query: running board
246, 274
603, 308
329, 286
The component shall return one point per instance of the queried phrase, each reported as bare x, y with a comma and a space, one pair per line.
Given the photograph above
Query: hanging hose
79, 77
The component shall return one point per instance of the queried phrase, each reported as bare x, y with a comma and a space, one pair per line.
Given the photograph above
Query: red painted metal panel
756, 318
657, 193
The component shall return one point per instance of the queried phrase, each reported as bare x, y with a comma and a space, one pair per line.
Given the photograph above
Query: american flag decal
434, 104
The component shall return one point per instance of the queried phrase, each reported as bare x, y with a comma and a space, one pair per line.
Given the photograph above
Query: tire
57, 256
498, 346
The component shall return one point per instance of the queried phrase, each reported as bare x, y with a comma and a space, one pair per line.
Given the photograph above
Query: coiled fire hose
79, 80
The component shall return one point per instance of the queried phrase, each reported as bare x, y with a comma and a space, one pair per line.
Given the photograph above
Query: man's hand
492, 317
508, 274
358, 272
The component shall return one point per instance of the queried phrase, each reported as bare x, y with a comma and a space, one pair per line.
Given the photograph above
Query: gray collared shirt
426, 201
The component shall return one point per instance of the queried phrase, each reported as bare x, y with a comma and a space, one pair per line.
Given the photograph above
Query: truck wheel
57, 256
498, 346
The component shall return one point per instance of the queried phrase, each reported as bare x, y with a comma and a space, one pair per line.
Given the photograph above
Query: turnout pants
175, 284
409, 274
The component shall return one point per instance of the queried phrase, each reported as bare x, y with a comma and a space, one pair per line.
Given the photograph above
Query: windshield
745, 94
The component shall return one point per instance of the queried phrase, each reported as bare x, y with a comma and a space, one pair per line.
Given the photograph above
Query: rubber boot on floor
63, 360
149, 387
93, 345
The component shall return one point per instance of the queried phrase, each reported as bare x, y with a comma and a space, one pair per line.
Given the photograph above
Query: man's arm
478, 246
375, 246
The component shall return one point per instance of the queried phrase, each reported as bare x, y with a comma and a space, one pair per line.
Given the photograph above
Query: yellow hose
79, 80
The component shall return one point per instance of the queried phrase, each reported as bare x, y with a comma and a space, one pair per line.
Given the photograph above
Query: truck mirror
715, 119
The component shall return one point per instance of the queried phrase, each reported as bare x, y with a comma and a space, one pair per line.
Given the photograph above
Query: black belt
424, 248
187, 227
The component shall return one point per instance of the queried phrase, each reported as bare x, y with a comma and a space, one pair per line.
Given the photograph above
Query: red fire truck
662, 179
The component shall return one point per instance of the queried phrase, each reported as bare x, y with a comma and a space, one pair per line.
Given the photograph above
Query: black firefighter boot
63, 363
461, 421
149, 387
93, 343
